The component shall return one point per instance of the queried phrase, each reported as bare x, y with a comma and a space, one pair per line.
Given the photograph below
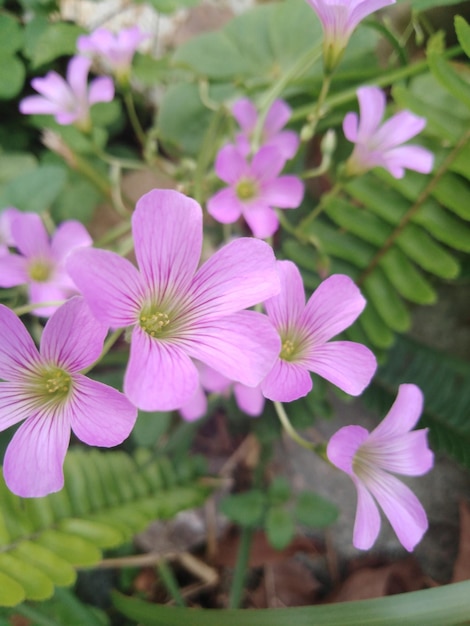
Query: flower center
287, 350
57, 383
246, 190
154, 322
40, 271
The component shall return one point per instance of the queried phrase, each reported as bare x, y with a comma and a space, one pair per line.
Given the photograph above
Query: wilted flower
40, 262
178, 312
370, 459
69, 100
255, 189
116, 50
46, 389
305, 330
339, 18
380, 145
246, 114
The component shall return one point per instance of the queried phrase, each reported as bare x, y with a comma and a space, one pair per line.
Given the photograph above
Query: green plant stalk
108, 344
382, 80
27, 308
133, 118
318, 448
241, 566
170, 582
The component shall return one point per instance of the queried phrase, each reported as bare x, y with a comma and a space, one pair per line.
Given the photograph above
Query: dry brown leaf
285, 584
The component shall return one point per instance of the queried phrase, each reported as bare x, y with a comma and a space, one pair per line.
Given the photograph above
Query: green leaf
34, 190
76, 550
11, 592
454, 192
279, 490
406, 279
36, 584
150, 427
279, 527
101, 534
11, 36
11, 77
54, 566
246, 509
66, 207
462, 28
314, 511
424, 251
13, 164
445, 73
449, 605
386, 301
377, 331
55, 40
148, 70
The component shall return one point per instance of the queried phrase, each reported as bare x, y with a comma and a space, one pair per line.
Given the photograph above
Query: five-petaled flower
116, 50
305, 330
271, 133
46, 389
339, 19
69, 100
255, 188
380, 145
178, 312
40, 262
370, 459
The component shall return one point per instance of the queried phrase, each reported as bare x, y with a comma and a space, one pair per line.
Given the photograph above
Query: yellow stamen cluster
57, 382
39, 271
246, 190
154, 323
288, 347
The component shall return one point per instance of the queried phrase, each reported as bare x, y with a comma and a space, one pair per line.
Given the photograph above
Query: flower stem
241, 566
27, 308
133, 117
293, 434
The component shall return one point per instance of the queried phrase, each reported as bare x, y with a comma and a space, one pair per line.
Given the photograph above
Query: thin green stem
293, 434
171, 584
241, 566
133, 117
317, 113
108, 344
27, 308
335, 190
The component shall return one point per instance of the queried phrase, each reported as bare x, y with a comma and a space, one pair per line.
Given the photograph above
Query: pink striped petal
406, 454
344, 444
73, 338
225, 206
18, 354
285, 192
99, 414
16, 404
286, 382
167, 228
244, 111
13, 270
412, 157
237, 276
287, 142
367, 522
249, 399
372, 109
230, 165
112, 286
285, 309
397, 130
30, 236
334, 305
69, 235
40, 293
242, 346
33, 463
267, 163
277, 117
402, 416
160, 376
196, 407
348, 365
262, 220
365, 8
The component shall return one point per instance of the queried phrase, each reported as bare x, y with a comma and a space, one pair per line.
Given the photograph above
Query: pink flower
369, 457
339, 19
250, 400
286, 141
40, 263
176, 311
305, 331
69, 100
254, 190
6, 239
116, 50
46, 389
380, 146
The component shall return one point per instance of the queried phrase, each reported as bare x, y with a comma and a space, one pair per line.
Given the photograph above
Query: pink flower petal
13, 270
262, 220
406, 454
335, 305
16, 404
99, 414
17, 350
196, 407
286, 382
237, 276
285, 309
249, 399
230, 165
367, 522
397, 130
224, 206
167, 228
211, 379
77, 77
160, 376
285, 192
403, 415
112, 286
54, 88
401, 506
40, 293
372, 109
101, 90
30, 236
365, 8
242, 346
287, 142
37, 105
267, 163
412, 157
33, 463
244, 111
350, 126
344, 444
278, 116
69, 235
73, 338
348, 365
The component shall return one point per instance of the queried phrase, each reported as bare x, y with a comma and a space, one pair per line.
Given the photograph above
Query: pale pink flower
371, 459
178, 312
339, 19
69, 100
250, 400
40, 262
246, 114
46, 389
6, 240
380, 145
116, 50
255, 189
305, 330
